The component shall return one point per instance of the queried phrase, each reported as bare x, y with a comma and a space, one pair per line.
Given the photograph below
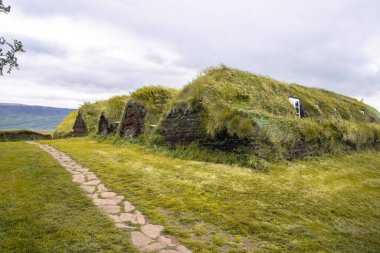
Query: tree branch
5, 9
8, 57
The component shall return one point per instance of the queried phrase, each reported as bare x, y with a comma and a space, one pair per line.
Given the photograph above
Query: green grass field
42, 210
325, 205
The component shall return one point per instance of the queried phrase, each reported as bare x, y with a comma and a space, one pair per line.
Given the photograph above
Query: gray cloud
327, 44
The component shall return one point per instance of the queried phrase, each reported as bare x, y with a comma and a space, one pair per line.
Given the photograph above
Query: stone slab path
145, 236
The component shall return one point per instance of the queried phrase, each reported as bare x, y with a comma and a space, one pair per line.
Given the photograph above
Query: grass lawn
41, 210
329, 205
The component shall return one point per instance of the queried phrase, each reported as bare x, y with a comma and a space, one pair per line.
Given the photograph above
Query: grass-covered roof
233, 99
251, 108
111, 108
155, 99
257, 110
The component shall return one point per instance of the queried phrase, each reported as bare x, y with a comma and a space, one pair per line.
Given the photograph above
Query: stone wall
80, 128
103, 126
133, 120
183, 127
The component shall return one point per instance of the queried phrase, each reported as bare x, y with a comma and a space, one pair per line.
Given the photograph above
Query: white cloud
98, 60
373, 100
93, 49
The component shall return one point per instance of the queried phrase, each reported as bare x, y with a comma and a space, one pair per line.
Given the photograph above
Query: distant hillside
18, 116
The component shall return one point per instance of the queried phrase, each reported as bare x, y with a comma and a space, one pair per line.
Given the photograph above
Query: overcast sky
87, 50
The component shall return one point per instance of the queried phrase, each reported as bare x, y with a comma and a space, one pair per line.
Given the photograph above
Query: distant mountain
18, 116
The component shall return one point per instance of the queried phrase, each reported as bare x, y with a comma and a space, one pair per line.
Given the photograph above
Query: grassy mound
65, 128
251, 111
112, 108
19, 135
155, 100
256, 109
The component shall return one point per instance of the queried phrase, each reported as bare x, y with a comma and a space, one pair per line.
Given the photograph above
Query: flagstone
92, 182
107, 194
167, 241
106, 202
91, 177
88, 188
138, 218
128, 207
126, 217
110, 209
81, 170
153, 246
116, 218
139, 239
102, 188
183, 249
79, 179
153, 231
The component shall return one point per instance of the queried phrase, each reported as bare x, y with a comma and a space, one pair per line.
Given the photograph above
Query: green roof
155, 99
233, 99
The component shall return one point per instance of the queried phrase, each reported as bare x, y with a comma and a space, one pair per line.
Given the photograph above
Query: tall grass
112, 109
256, 109
252, 108
155, 100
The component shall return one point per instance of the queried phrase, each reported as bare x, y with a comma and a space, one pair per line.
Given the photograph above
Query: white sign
297, 104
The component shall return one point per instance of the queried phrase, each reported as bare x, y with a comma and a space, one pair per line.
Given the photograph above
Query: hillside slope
18, 116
